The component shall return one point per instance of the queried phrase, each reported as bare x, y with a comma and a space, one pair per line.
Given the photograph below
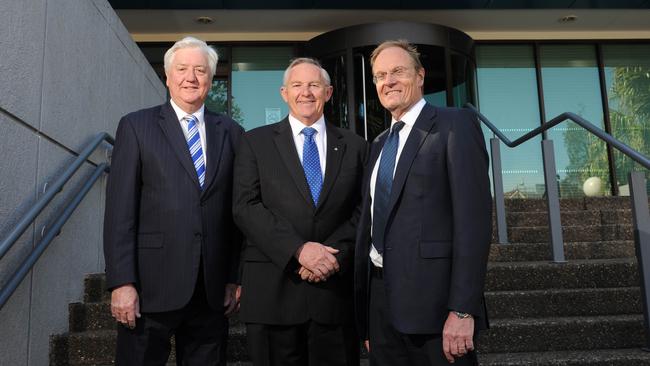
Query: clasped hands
317, 262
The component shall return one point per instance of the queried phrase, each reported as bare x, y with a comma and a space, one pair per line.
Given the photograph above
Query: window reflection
507, 93
571, 84
627, 75
256, 80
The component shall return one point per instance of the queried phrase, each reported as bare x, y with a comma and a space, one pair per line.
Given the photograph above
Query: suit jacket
159, 225
439, 227
274, 209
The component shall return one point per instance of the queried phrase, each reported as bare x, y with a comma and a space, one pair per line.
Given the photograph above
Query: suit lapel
335, 151
419, 132
214, 144
287, 148
174, 134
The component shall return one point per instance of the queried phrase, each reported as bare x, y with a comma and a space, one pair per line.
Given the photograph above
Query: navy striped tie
383, 186
194, 144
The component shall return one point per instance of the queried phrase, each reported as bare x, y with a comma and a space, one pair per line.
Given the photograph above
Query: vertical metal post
641, 218
497, 183
553, 199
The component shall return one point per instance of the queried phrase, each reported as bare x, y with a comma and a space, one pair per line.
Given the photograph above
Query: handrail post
641, 221
553, 200
497, 183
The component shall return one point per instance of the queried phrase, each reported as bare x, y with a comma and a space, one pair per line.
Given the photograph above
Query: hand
231, 298
309, 276
318, 258
125, 306
457, 336
367, 344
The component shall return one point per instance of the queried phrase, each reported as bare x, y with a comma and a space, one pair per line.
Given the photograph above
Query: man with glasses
425, 226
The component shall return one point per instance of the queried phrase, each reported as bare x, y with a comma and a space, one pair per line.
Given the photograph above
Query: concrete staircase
583, 312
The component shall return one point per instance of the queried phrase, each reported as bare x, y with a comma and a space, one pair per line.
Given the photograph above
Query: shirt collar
297, 126
411, 116
180, 114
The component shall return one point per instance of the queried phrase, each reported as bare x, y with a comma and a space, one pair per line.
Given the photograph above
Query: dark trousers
311, 344
200, 333
389, 347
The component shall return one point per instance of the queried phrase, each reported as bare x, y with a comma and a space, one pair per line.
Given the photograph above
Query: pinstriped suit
160, 228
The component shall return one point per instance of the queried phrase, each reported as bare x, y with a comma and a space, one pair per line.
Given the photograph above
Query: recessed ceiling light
204, 20
568, 19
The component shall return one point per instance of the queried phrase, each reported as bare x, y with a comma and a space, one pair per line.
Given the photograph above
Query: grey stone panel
21, 57
14, 317
71, 255
74, 78
17, 188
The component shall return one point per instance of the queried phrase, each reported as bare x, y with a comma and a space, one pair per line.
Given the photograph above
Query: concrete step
562, 334
601, 273
515, 252
92, 347
570, 302
569, 204
601, 357
571, 218
95, 288
539, 234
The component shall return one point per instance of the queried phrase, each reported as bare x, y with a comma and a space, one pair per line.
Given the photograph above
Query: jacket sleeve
467, 163
121, 212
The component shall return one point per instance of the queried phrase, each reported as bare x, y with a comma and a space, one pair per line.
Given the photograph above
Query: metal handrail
638, 195
22, 271
625, 149
27, 219
57, 186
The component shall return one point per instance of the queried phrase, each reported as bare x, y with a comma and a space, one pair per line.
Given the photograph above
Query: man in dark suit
425, 226
170, 244
297, 183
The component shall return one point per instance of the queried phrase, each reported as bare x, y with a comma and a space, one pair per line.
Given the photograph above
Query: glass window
507, 95
627, 75
462, 75
336, 110
217, 100
571, 84
256, 80
435, 77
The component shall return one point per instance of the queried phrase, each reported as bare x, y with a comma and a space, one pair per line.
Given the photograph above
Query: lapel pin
336, 148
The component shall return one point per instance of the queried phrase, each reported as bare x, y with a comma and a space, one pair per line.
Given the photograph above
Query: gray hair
191, 42
306, 60
400, 43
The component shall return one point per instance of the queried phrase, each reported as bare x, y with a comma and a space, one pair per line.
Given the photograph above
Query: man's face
399, 85
189, 79
306, 93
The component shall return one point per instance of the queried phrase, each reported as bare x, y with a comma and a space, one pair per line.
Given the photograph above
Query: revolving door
446, 54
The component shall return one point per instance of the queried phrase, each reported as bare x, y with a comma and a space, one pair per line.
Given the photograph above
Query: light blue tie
383, 186
194, 144
311, 163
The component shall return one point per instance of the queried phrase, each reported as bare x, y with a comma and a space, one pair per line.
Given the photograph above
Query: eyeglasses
399, 72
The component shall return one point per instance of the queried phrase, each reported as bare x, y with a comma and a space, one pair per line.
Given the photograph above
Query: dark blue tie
311, 163
383, 186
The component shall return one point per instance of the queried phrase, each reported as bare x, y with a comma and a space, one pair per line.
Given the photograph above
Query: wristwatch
462, 315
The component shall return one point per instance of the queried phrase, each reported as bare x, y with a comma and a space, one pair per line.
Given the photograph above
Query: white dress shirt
200, 115
320, 138
409, 119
